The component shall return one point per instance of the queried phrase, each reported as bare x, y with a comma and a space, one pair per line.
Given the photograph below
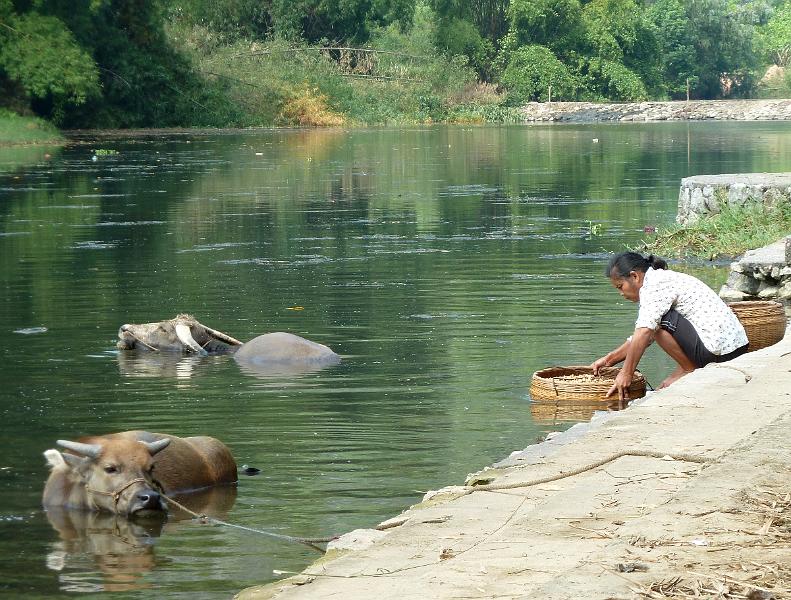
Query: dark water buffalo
126, 473
186, 334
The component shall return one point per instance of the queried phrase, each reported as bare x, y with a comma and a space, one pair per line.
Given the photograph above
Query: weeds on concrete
727, 234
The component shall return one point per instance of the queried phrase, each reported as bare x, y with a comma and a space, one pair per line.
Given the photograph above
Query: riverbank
16, 130
694, 110
639, 526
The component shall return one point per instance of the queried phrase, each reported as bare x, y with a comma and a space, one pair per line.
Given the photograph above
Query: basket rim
543, 374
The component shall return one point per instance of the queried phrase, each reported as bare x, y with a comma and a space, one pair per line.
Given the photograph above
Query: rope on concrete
650, 453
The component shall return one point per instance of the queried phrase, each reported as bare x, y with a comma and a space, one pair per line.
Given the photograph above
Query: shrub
532, 70
309, 109
617, 82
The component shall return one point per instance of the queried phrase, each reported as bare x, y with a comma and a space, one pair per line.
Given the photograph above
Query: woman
684, 315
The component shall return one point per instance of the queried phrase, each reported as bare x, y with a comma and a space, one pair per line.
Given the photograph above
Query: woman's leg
669, 344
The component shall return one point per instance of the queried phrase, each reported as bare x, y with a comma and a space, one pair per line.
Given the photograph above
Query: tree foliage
532, 71
774, 38
41, 55
137, 63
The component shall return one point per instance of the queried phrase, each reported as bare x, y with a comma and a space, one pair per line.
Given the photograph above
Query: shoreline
616, 531
651, 111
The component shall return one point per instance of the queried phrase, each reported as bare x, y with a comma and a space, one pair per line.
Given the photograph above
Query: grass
17, 130
399, 79
728, 234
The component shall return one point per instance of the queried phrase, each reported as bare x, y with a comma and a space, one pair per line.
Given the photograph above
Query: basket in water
580, 385
764, 321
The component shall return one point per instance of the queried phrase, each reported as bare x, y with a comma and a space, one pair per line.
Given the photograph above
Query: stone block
743, 283
730, 295
768, 291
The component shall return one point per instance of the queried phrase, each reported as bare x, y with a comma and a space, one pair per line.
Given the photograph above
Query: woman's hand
622, 382
599, 364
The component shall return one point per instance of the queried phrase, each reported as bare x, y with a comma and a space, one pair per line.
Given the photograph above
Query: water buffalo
126, 473
185, 334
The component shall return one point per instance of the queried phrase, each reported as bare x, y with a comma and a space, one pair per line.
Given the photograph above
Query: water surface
445, 264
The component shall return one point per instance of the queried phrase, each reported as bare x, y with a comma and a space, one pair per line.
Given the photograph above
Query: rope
650, 453
311, 542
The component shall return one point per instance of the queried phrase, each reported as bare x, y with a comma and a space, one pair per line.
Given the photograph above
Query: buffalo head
106, 475
182, 334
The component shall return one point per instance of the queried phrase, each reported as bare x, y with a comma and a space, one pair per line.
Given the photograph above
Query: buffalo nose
149, 499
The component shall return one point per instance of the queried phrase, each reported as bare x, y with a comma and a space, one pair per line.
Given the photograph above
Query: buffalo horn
223, 337
185, 336
154, 447
90, 450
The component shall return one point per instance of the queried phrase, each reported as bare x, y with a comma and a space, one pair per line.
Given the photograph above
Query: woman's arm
611, 358
641, 339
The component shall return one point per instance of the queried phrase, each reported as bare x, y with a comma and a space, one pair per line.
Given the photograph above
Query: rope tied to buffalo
311, 542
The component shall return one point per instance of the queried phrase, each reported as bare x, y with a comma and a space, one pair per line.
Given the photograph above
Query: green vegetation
219, 63
26, 130
729, 233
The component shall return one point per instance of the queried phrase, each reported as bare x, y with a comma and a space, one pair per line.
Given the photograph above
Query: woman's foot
674, 376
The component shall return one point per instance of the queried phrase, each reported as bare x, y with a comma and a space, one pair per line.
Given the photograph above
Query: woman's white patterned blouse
716, 324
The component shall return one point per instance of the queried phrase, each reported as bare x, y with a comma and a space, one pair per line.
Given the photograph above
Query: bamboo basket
764, 321
578, 384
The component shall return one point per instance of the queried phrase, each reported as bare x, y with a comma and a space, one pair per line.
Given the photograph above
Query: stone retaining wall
707, 194
694, 110
761, 274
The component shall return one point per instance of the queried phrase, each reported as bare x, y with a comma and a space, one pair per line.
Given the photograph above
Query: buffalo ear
61, 460
73, 460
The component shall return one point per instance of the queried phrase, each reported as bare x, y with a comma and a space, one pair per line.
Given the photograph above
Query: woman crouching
681, 313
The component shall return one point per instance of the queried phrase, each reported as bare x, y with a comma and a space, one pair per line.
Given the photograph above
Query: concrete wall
707, 194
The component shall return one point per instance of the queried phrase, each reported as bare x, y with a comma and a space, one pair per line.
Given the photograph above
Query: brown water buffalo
185, 334
126, 473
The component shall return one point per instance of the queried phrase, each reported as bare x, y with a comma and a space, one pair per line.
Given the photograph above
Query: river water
445, 264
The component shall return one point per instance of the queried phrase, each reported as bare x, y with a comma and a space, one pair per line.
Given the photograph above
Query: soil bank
636, 527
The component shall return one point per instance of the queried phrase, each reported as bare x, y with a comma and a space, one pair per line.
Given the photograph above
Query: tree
708, 41
530, 73
39, 54
775, 37
547, 23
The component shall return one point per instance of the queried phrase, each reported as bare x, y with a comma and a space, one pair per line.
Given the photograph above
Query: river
445, 265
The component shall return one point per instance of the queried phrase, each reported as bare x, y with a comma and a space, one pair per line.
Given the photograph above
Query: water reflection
564, 411
103, 552
174, 365
164, 365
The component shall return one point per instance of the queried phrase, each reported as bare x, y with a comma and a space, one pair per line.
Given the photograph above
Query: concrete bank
694, 110
637, 527
704, 195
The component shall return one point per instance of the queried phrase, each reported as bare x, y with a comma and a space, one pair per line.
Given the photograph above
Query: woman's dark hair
624, 263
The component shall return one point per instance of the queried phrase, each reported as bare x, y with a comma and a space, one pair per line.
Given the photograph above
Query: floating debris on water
31, 330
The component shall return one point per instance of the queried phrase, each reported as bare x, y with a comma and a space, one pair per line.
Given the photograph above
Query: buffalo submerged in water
128, 473
185, 334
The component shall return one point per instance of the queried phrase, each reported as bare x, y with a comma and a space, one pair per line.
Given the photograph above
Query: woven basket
578, 384
764, 321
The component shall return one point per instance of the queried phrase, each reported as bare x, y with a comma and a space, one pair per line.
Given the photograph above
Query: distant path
694, 110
